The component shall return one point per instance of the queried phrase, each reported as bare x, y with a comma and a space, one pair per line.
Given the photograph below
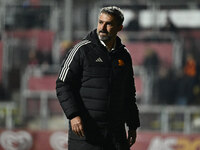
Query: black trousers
104, 141
84, 145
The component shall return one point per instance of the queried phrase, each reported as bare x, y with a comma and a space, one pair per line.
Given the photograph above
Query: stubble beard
104, 38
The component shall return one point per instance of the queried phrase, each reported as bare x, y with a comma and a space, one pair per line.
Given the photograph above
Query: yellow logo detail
121, 62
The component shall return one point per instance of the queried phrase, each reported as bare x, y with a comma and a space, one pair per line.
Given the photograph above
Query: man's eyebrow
105, 21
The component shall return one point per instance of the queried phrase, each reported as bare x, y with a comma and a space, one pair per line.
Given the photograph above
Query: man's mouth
103, 32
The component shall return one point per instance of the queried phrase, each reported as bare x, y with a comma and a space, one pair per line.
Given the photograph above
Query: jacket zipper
109, 87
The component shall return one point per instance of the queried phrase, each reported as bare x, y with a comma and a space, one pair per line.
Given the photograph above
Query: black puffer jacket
99, 85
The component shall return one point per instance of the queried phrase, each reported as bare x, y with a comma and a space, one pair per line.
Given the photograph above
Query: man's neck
110, 44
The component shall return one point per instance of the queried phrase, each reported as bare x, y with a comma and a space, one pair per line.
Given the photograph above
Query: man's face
107, 27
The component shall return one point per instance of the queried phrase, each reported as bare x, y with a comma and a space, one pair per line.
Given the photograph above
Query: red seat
42, 38
191, 34
137, 51
45, 83
33, 106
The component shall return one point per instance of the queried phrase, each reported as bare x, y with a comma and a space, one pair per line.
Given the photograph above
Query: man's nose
103, 26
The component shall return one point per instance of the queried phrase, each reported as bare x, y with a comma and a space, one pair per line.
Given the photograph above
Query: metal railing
161, 118
184, 119
42, 95
6, 114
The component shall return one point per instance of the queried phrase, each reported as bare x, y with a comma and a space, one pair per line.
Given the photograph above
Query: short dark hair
114, 11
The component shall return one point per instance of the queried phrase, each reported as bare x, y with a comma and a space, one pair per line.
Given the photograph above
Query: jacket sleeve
67, 84
132, 121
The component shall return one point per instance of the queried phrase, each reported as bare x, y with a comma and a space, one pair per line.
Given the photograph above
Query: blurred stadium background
163, 37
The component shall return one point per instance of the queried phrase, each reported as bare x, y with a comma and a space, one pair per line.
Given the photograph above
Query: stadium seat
137, 51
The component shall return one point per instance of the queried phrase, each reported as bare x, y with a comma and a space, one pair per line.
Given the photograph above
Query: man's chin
104, 38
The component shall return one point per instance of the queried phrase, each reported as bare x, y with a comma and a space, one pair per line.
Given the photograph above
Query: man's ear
121, 27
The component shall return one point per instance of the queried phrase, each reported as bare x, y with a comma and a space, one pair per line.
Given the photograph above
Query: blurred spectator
44, 57
182, 90
151, 64
2, 92
39, 57
190, 66
151, 61
64, 47
32, 58
196, 87
14, 77
133, 25
165, 87
186, 82
196, 92
170, 26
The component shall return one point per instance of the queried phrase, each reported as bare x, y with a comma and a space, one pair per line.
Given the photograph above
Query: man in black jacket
96, 89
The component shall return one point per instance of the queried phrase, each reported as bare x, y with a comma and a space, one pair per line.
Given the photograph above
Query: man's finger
78, 129
75, 129
130, 141
77, 126
81, 130
132, 137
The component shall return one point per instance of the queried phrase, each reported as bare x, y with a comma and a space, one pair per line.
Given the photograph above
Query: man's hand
77, 126
132, 134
